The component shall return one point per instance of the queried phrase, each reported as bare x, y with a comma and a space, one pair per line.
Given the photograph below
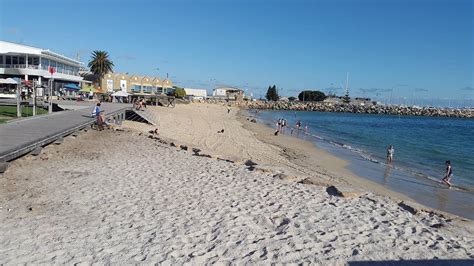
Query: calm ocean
422, 145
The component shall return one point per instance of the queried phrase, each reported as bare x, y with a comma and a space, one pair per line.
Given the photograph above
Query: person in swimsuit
390, 151
449, 173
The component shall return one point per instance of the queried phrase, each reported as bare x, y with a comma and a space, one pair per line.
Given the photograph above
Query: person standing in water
298, 124
449, 173
390, 151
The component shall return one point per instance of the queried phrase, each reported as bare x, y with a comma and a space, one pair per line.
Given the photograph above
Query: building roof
136, 79
15, 48
157, 82
147, 80
167, 83
228, 88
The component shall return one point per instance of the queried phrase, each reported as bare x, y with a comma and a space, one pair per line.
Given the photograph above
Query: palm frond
100, 63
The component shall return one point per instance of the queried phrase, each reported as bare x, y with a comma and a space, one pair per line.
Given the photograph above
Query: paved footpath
21, 136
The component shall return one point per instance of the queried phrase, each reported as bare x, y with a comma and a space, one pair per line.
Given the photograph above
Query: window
8, 60
147, 89
44, 63
136, 88
1, 59
21, 60
15, 60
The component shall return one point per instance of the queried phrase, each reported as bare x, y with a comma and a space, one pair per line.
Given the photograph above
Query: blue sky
417, 48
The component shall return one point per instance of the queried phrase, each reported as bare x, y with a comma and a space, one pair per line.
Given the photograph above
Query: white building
196, 93
31, 63
219, 92
228, 92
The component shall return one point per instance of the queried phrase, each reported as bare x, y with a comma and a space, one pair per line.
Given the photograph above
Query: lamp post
50, 102
34, 98
18, 108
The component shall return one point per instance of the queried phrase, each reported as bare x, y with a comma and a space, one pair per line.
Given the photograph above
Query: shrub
179, 93
312, 96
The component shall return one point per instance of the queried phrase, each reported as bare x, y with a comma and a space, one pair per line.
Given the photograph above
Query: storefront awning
72, 86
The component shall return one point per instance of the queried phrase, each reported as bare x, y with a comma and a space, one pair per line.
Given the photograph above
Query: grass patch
10, 111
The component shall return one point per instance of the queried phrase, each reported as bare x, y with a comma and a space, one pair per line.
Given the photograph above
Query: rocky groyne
362, 109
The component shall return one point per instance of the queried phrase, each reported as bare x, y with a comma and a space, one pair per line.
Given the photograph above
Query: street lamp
50, 102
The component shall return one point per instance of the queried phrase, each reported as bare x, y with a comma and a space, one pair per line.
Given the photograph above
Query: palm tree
100, 64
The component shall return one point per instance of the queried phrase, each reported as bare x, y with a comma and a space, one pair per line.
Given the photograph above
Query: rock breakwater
362, 109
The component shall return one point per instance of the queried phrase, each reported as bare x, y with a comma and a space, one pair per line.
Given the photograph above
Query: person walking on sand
390, 151
449, 174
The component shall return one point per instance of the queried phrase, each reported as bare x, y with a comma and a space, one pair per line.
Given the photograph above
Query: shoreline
265, 133
338, 166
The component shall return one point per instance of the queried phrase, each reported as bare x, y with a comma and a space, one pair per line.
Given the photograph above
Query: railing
19, 66
24, 66
13, 66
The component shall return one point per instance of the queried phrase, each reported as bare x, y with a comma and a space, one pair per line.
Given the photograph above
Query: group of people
140, 104
448, 173
283, 123
280, 125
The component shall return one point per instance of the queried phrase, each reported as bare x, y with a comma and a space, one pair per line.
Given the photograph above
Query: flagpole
50, 103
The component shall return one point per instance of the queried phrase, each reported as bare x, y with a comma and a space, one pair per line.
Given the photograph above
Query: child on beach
449, 173
390, 151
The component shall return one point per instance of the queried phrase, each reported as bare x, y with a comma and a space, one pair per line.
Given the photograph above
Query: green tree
272, 93
291, 99
312, 96
346, 99
179, 92
100, 64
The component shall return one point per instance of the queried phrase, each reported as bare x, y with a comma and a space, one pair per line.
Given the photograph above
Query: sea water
422, 145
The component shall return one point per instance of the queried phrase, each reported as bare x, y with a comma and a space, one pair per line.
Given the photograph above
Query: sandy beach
123, 197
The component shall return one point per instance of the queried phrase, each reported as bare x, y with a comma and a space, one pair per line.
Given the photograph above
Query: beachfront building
228, 92
135, 84
31, 64
198, 94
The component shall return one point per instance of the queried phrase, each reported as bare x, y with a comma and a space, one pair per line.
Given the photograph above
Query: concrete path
21, 136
